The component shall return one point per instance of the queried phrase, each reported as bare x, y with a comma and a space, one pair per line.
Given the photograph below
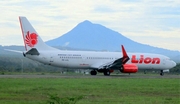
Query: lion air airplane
103, 62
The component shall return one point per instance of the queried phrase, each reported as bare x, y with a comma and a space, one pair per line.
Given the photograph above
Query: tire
107, 73
161, 73
93, 72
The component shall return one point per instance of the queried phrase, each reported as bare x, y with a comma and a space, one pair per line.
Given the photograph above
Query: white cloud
66, 44
157, 41
132, 18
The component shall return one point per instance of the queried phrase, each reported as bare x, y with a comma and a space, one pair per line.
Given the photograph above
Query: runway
89, 76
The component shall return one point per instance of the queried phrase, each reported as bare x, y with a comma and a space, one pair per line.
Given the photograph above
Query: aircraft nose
174, 64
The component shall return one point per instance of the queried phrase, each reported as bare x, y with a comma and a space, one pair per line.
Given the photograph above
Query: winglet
124, 51
125, 56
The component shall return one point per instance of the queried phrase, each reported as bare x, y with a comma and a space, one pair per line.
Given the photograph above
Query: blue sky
152, 22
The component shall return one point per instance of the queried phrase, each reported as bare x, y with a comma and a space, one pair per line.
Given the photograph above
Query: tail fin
31, 37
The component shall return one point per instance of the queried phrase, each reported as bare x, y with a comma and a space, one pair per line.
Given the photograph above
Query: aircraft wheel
107, 73
93, 72
162, 74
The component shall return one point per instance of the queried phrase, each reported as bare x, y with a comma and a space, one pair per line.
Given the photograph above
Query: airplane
102, 62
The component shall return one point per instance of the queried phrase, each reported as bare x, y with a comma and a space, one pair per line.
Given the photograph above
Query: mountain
90, 36
87, 35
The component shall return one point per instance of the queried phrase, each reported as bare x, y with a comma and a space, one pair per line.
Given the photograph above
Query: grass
90, 90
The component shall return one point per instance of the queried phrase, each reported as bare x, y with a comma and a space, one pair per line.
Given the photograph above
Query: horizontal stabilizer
33, 51
13, 50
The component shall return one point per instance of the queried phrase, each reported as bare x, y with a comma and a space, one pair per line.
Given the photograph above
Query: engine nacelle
111, 71
129, 68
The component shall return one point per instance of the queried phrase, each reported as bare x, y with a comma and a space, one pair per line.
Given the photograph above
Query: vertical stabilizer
31, 37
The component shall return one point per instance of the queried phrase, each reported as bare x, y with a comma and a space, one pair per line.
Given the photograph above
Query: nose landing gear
161, 73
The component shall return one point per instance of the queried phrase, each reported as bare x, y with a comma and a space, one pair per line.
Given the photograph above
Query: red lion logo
31, 39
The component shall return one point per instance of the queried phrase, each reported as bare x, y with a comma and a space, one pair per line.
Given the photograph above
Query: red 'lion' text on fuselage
146, 60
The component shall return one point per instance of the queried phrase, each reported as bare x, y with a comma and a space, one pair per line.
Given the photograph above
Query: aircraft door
51, 60
164, 62
83, 62
84, 59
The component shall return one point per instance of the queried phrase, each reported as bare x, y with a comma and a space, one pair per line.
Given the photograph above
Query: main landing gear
107, 72
93, 72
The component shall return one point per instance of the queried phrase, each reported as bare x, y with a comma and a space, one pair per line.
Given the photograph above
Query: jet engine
129, 68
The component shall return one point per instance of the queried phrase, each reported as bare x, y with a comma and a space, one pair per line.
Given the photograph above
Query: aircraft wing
117, 63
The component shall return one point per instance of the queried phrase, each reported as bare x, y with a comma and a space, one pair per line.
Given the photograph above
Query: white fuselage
105, 62
93, 60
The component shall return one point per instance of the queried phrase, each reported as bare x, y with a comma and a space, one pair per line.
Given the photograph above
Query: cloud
66, 44
158, 41
132, 18
103, 9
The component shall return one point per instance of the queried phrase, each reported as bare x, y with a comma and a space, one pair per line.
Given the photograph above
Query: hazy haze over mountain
87, 35
90, 36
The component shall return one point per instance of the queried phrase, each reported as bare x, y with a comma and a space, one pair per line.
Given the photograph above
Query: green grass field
90, 90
